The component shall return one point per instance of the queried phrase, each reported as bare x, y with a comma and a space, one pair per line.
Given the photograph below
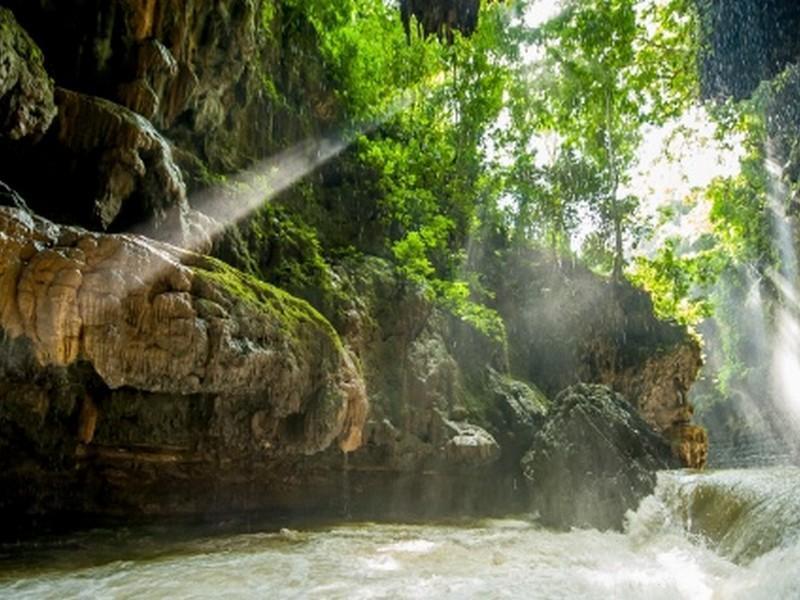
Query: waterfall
766, 397
785, 327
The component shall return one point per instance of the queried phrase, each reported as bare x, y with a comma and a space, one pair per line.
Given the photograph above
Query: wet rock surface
572, 326
196, 70
593, 460
139, 378
26, 91
123, 354
117, 170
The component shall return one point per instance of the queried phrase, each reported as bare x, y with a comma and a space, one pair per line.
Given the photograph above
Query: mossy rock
267, 298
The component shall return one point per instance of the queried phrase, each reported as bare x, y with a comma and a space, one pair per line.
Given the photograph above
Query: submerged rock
593, 460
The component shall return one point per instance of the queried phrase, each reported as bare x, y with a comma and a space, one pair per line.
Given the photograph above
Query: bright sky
674, 160
541, 11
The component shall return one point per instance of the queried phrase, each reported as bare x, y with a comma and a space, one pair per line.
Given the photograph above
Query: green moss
276, 246
267, 298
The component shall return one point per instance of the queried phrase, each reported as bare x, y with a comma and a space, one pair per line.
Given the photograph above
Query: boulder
469, 444
516, 411
594, 459
571, 325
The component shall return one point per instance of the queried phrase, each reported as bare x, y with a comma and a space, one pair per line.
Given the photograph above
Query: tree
611, 66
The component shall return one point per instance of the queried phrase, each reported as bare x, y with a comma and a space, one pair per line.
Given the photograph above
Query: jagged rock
209, 75
441, 17
571, 326
516, 412
8, 197
26, 91
593, 460
150, 317
135, 181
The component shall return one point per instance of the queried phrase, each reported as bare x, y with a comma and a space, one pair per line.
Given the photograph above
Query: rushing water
725, 534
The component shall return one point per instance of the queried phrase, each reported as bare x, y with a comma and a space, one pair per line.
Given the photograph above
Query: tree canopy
488, 125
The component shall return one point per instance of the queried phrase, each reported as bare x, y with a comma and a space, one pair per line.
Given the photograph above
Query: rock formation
570, 326
196, 70
26, 91
441, 17
140, 378
161, 327
593, 460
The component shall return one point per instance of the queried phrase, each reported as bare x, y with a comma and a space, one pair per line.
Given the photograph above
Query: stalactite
441, 17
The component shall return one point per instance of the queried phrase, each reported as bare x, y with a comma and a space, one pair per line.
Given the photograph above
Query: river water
724, 534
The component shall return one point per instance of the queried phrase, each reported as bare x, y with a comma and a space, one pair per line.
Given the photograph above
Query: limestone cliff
568, 325
140, 378
99, 326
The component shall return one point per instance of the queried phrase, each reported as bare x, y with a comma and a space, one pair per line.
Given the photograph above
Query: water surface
671, 549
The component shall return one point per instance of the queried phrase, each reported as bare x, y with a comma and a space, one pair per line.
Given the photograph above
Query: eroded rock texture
142, 379
445, 431
155, 99
26, 91
594, 459
216, 78
441, 17
119, 169
122, 351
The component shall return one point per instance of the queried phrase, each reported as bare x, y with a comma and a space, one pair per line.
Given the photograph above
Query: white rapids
725, 534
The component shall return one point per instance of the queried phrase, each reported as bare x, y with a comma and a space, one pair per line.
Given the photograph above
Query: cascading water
728, 534
786, 329
776, 321
766, 398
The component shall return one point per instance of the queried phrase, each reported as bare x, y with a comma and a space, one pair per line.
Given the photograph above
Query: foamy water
664, 553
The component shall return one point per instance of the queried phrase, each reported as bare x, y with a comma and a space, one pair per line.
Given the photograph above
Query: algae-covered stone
26, 91
593, 460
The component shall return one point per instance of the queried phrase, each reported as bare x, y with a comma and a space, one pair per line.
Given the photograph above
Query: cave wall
158, 96
745, 42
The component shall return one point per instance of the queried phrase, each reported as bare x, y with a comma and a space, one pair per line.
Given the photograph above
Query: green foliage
277, 246
679, 285
610, 68
419, 113
738, 204
448, 135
